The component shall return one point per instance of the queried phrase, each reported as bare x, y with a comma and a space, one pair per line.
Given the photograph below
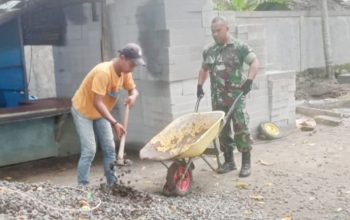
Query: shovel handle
122, 139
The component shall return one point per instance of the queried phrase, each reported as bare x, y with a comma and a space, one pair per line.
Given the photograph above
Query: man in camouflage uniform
223, 61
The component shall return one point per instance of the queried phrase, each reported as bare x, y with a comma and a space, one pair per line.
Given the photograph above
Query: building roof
8, 10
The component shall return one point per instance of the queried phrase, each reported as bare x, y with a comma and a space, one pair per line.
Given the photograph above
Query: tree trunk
326, 41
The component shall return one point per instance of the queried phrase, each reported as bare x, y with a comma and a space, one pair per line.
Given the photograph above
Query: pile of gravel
47, 201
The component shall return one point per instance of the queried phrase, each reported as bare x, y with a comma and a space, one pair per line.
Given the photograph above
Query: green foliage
341, 69
236, 5
272, 6
251, 5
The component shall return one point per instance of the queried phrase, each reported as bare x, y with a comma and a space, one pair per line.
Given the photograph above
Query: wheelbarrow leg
164, 164
206, 161
218, 153
188, 164
213, 151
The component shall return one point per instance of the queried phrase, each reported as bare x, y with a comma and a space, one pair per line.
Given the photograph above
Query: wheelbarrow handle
230, 111
197, 103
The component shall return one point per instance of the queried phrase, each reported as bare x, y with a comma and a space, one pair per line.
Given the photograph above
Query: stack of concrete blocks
186, 33
171, 35
282, 97
79, 54
143, 22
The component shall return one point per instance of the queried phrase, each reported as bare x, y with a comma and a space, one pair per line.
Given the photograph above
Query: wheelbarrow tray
185, 137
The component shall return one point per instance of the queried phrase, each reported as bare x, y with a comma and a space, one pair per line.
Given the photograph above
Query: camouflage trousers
239, 119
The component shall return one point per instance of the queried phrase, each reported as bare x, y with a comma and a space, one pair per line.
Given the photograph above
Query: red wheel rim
185, 183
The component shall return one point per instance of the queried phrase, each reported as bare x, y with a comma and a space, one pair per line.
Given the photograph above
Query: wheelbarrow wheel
175, 186
269, 130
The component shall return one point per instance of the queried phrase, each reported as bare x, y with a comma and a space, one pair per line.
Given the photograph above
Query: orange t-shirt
102, 80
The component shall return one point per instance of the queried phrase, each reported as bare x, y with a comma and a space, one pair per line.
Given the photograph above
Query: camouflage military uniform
225, 65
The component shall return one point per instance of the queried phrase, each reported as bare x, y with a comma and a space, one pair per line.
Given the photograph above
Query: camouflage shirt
225, 65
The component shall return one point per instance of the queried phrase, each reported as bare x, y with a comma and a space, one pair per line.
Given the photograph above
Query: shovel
120, 158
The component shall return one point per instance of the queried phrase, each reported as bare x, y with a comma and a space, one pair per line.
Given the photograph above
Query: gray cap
133, 52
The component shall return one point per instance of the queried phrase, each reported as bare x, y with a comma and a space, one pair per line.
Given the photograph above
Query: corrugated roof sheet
9, 5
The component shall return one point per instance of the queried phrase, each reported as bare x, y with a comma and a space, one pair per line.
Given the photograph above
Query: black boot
229, 163
245, 168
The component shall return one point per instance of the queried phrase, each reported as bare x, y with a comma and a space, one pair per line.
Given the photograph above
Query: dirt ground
304, 175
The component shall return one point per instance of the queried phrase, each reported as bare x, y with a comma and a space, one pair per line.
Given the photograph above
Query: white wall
294, 39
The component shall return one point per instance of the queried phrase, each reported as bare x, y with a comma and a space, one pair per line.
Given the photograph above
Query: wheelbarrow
183, 140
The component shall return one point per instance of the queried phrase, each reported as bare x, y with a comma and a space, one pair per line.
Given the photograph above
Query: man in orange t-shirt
92, 104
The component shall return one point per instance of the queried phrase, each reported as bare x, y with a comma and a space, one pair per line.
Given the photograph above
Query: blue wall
12, 75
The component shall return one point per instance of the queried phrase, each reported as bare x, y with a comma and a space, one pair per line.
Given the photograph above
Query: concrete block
278, 83
259, 50
186, 106
308, 111
277, 97
344, 78
181, 23
285, 74
278, 94
260, 85
278, 105
327, 120
185, 5
280, 116
281, 122
189, 87
241, 36
255, 43
257, 107
185, 57
173, 14
255, 36
176, 50
176, 88
241, 29
279, 110
261, 76
192, 36
184, 71
257, 29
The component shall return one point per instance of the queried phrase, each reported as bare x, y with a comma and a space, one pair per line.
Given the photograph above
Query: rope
49, 206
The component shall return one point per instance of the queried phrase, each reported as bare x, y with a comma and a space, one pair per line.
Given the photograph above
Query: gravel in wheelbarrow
186, 136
